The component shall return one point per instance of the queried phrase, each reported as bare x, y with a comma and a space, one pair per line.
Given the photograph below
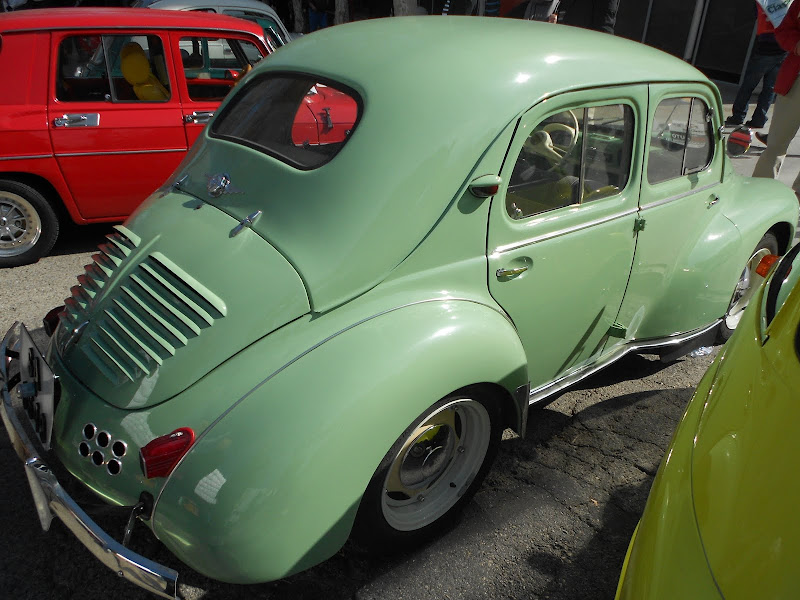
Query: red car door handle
77, 120
198, 117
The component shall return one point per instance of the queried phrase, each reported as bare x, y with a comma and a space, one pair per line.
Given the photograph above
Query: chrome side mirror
739, 141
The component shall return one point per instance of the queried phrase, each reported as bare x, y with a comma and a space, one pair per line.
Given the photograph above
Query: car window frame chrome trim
564, 231
680, 196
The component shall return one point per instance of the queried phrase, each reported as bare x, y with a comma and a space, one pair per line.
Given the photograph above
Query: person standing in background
317, 14
600, 15
786, 114
763, 65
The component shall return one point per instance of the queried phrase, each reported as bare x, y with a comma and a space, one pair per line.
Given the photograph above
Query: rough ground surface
552, 520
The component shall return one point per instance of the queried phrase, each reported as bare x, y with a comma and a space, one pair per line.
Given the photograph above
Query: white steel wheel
430, 472
747, 285
28, 224
435, 465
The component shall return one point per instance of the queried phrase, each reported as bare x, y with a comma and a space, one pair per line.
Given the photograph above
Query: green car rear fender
777, 211
273, 486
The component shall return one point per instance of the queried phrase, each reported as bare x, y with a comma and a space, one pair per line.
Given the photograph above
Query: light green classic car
303, 337
721, 518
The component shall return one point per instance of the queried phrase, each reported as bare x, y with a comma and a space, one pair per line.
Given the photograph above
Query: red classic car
99, 106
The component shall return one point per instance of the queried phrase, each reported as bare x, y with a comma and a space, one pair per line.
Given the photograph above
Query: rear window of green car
273, 114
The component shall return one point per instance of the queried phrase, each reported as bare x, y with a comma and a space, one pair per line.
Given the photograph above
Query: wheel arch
42, 185
320, 427
783, 232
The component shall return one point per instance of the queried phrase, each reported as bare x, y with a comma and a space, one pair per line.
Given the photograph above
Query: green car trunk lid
174, 292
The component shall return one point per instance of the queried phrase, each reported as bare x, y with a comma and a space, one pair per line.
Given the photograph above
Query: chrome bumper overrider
51, 499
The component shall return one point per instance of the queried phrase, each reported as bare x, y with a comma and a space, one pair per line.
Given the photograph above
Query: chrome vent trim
120, 245
152, 312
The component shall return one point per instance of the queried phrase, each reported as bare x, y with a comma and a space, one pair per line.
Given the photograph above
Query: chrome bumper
51, 499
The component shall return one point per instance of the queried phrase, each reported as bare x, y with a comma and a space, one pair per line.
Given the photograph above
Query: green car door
688, 253
562, 231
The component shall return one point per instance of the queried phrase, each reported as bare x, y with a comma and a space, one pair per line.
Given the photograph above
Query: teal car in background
720, 521
313, 333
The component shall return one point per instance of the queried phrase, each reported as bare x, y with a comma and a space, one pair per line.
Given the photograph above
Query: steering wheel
541, 143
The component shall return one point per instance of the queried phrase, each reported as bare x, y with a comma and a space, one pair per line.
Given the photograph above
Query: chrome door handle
713, 201
77, 120
510, 272
203, 116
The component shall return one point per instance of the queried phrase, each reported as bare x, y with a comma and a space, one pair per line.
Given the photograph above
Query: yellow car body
721, 519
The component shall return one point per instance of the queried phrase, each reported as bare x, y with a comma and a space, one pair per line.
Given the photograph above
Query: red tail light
159, 457
766, 264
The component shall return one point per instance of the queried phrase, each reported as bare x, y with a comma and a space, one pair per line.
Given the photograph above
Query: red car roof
48, 19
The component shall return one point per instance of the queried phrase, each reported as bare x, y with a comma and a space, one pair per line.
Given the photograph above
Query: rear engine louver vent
152, 312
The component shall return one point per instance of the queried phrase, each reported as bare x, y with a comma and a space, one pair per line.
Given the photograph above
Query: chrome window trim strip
680, 196
565, 231
26, 157
118, 152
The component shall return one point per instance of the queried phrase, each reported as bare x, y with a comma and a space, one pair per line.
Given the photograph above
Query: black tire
748, 283
430, 473
28, 224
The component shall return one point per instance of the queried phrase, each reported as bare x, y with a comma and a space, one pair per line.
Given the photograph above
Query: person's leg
752, 75
313, 20
604, 15
770, 67
784, 126
578, 13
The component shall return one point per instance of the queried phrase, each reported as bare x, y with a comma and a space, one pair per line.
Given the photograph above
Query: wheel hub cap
20, 227
436, 464
428, 457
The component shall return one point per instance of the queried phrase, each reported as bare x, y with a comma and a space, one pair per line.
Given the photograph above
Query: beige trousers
783, 127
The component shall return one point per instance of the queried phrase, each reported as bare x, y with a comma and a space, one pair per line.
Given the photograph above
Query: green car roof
436, 92
498, 65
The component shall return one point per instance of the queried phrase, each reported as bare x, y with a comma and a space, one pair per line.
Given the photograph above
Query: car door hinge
617, 331
638, 225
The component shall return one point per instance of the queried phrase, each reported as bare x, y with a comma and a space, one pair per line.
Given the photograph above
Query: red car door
208, 67
114, 117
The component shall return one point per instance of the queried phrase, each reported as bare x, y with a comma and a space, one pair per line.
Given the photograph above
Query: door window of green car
112, 68
682, 139
572, 157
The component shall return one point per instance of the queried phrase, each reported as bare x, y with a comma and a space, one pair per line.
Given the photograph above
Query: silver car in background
275, 31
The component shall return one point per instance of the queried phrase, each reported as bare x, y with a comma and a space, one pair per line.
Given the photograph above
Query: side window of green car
682, 139
572, 157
